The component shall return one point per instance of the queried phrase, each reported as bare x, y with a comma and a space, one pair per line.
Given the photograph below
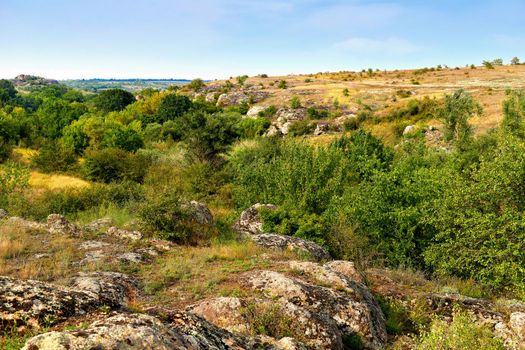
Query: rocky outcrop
250, 221
98, 225
254, 111
26, 224
282, 242
57, 223
347, 269
355, 312
237, 315
239, 97
285, 118
322, 128
34, 303
125, 234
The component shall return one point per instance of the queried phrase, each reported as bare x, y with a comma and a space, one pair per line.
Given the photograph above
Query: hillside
349, 210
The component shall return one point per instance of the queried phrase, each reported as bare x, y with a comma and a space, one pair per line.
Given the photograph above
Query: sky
214, 39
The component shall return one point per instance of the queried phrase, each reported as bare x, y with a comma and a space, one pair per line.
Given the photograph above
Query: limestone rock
110, 288
57, 223
132, 257
409, 130
282, 242
321, 129
354, 312
126, 234
200, 213
34, 303
254, 111
26, 224
517, 324
98, 225
348, 269
250, 221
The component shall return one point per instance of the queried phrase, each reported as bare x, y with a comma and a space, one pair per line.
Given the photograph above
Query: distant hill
25, 81
132, 85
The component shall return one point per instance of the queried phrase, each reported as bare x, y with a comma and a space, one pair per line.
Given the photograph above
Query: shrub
514, 113
250, 128
268, 112
14, 179
282, 84
55, 156
173, 106
114, 100
315, 114
295, 102
462, 333
112, 164
196, 84
301, 127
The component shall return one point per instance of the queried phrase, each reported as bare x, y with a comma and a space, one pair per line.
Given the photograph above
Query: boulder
125, 234
34, 303
3, 214
409, 130
355, 313
325, 275
132, 258
250, 220
254, 111
321, 129
57, 223
236, 315
517, 324
348, 269
200, 213
239, 97
281, 242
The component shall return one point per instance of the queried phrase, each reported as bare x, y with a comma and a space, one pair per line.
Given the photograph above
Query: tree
55, 114
514, 113
458, 109
114, 100
488, 64
515, 61
7, 91
173, 106
196, 84
242, 79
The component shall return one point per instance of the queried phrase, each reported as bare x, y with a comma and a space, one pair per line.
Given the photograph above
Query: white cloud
393, 45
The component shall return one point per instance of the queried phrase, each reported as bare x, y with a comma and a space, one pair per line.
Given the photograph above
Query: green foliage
515, 61
55, 156
457, 110
282, 84
462, 333
242, 79
113, 100
353, 342
268, 112
55, 114
295, 102
315, 114
7, 92
488, 64
173, 106
14, 179
112, 164
301, 127
196, 84
251, 128
514, 113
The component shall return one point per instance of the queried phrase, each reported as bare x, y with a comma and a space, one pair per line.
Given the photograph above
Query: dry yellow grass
55, 181
23, 155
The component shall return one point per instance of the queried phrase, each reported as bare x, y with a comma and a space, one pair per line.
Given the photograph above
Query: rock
110, 288
234, 314
254, 111
273, 131
409, 130
210, 97
250, 220
325, 275
340, 121
200, 213
161, 244
121, 331
57, 223
290, 115
92, 257
3, 214
348, 269
126, 234
98, 225
321, 129
517, 324
285, 128
354, 313
239, 97
281, 242
131, 257
34, 303
91, 245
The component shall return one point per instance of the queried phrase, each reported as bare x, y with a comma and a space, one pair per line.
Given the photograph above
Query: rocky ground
119, 289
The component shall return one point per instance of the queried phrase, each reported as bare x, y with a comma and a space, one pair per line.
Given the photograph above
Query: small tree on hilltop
515, 61
196, 84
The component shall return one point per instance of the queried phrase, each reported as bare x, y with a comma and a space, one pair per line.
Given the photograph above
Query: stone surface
92, 245
26, 224
200, 213
57, 223
354, 313
131, 257
34, 303
125, 234
348, 269
517, 324
281, 242
99, 225
250, 221
3, 214
409, 130
254, 111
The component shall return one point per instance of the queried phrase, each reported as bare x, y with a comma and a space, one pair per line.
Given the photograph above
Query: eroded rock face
125, 234
354, 313
250, 221
348, 269
34, 303
239, 97
281, 242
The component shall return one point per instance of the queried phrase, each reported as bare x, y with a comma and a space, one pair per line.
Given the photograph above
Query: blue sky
221, 38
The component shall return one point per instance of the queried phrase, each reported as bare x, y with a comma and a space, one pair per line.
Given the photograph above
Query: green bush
173, 106
301, 127
55, 156
113, 100
462, 333
315, 114
251, 128
113, 164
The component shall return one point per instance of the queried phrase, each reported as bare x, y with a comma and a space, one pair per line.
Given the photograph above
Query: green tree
282, 84
55, 114
7, 91
457, 110
514, 113
196, 84
515, 61
113, 100
173, 106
